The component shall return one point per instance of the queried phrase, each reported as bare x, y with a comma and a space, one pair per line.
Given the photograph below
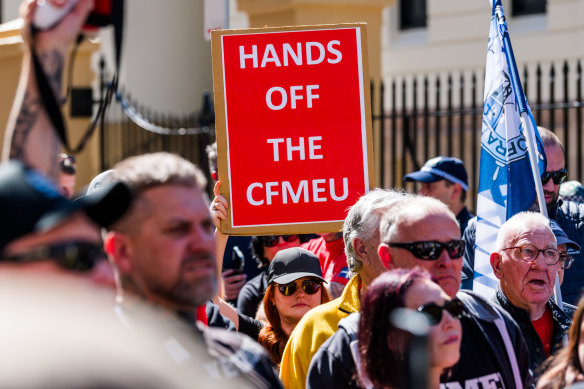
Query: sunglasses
308, 286
433, 311
272, 240
559, 176
431, 250
75, 255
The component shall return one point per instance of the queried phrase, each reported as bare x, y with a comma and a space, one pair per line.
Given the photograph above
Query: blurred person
445, 179
526, 261
67, 172
164, 253
568, 214
382, 346
566, 247
409, 238
566, 367
233, 279
572, 191
361, 237
330, 249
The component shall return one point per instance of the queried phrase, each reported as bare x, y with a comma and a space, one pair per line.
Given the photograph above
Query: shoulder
570, 209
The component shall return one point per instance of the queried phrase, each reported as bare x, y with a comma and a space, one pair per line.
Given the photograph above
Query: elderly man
568, 214
410, 238
361, 236
445, 179
164, 251
526, 261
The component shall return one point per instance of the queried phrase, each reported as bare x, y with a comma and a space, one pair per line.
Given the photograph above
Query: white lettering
299, 148
270, 56
294, 96
288, 52
345, 189
269, 98
334, 51
316, 190
269, 192
253, 56
312, 147
275, 142
309, 95
309, 59
249, 194
287, 189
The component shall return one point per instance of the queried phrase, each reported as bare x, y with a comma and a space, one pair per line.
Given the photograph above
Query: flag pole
526, 122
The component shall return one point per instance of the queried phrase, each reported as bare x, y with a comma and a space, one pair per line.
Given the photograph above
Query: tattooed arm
30, 136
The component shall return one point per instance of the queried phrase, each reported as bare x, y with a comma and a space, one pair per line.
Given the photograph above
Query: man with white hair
526, 261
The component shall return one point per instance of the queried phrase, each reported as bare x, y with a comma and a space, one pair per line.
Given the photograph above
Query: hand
232, 283
218, 206
63, 35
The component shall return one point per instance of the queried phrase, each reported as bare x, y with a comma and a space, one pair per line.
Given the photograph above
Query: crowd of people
132, 284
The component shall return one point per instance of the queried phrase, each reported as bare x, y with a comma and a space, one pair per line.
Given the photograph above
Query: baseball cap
572, 191
291, 264
562, 238
29, 203
441, 168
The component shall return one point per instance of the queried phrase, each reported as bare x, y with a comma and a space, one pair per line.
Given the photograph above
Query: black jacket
333, 366
252, 294
562, 321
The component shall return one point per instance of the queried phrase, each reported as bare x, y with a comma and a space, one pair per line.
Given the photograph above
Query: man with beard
164, 252
569, 215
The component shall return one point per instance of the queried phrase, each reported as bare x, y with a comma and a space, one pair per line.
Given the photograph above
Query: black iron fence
416, 118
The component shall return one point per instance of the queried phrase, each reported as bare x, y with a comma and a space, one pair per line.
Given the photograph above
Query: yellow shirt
312, 331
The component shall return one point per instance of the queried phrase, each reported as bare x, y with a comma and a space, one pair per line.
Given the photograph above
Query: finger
220, 211
227, 273
216, 188
58, 3
235, 279
78, 15
222, 200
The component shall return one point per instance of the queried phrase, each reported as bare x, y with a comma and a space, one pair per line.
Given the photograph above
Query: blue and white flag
506, 184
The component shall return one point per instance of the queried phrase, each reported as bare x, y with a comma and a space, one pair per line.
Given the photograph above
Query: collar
349, 301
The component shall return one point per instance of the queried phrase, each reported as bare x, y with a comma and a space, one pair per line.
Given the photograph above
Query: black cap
29, 202
291, 264
562, 238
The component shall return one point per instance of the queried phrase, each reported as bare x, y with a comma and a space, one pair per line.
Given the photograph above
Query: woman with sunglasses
382, 346
295, 286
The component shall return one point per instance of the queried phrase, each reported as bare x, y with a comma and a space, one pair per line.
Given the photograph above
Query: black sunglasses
75, 255
433, 311
431, 250
559, 176
272, 240
308, 286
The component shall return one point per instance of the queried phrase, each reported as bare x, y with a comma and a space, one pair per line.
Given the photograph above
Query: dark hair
67, 164
257, 248
380, 343
272, 337
561, 369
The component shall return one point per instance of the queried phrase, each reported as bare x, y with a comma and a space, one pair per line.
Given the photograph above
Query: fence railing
419, 117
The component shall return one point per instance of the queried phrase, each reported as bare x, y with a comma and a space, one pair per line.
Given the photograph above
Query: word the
312, 147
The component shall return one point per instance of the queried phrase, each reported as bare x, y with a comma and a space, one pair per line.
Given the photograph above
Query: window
412, 14
528, 7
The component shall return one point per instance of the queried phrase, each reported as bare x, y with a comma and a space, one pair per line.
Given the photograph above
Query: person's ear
496, 261
119, 249
384, 252
456, 191
361, 250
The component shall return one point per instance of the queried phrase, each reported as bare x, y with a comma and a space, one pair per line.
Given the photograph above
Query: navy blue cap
291, 264
441, 168
562, 238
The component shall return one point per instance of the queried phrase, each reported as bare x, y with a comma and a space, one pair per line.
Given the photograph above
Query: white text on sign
312, 147
315, 53
318, 187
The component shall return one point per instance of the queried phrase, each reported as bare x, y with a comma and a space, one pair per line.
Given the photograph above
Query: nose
444, 259
549, 186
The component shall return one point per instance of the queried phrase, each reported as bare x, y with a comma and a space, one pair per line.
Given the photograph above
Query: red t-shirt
333, 261
544, 326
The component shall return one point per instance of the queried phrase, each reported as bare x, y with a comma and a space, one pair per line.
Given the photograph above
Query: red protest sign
293, 126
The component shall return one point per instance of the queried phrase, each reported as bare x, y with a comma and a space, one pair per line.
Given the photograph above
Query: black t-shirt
252, 294
476, 373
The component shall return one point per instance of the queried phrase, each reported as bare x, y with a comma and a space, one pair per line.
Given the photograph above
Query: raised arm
30, 136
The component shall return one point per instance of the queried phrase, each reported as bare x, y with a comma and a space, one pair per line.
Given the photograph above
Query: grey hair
520, 221
392, 221
363, 219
